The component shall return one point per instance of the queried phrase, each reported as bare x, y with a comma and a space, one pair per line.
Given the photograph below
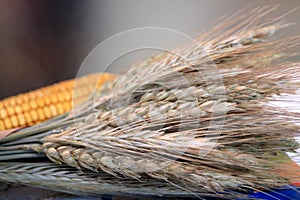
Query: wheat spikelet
162, 121
66, 179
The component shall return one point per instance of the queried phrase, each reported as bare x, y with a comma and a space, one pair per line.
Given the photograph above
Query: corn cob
134, 140
39, 105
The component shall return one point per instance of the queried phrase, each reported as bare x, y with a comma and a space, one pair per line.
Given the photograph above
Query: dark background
45, 41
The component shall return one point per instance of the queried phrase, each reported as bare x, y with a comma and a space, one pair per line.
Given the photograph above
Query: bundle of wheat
176, 123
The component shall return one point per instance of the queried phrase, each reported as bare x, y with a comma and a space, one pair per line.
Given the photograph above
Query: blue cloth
283, 193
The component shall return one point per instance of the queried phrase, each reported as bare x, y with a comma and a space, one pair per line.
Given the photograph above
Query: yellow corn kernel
40, 102
47, 100
21, 119
67, 95
60, 108
11, 102
67, 105
6, 103
36, 106
18, 109
7, 123
25, 98
30, 124
34, 115
47, 112
2, 126
53, 110
32, 95
25, 107
10, 111
19, 100
14, 121
53, 98
27, 118
3, 113
60, 97
33, 104
41, 114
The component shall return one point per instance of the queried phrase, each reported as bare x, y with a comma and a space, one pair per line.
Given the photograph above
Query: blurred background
45, 41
